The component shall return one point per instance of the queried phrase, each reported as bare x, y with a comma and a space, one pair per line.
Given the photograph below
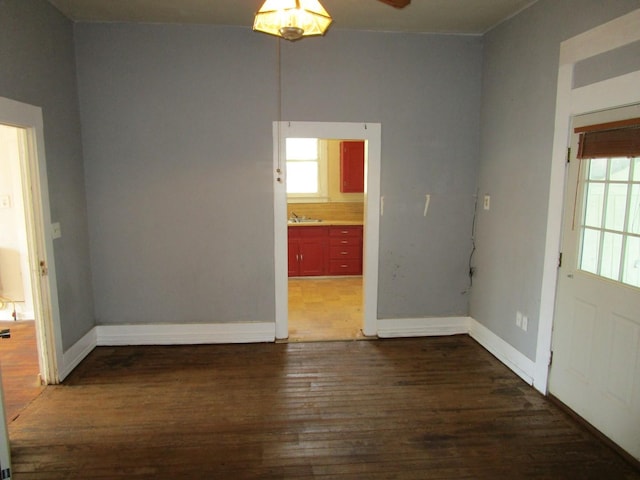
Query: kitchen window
306, 170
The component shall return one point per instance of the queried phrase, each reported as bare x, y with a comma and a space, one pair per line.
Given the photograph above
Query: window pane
590, 248
302, 177
620, 168
594, 205
597, 169
616, 206
634, 212
611, 252
636, 170
302, 148
632, 262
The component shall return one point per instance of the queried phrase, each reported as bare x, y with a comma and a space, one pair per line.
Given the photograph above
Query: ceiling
427, 16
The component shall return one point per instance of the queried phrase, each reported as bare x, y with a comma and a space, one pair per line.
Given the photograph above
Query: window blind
610, 140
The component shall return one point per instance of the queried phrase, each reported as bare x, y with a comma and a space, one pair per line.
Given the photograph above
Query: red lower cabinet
317, 251
307, 251
345, 250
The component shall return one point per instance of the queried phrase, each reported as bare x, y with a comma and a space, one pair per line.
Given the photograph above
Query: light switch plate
56, 230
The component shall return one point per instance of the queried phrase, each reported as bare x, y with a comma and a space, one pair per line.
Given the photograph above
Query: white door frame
371, 133
604, 95
40, 242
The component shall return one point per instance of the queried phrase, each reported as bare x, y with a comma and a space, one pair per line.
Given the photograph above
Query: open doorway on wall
325, 215
19, 357
328, 266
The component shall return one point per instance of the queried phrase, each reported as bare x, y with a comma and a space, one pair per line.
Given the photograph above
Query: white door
596, 332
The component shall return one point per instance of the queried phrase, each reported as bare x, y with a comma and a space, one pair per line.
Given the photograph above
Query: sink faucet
294, 217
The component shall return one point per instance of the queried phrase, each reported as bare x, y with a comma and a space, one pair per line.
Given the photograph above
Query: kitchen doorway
369, 227
325, 212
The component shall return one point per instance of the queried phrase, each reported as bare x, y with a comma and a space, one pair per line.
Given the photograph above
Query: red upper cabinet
352, 166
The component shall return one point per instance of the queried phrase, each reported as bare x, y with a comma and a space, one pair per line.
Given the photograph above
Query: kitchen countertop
325, 223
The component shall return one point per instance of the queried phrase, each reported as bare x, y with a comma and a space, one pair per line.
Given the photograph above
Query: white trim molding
78, 352
503, 351
423, 327
188, 334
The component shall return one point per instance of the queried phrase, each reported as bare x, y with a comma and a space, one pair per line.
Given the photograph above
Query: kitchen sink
304, 220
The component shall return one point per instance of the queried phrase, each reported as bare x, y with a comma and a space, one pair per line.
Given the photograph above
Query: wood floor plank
437, 408
20, 369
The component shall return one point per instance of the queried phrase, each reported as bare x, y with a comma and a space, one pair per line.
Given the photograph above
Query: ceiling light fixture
292, 19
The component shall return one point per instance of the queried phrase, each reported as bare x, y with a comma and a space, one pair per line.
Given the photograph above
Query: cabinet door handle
344, 253
301, 257
297, 257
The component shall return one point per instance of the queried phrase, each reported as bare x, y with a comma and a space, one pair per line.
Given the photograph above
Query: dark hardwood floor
431, 408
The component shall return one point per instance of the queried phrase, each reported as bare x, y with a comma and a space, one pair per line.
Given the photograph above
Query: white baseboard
423, 327
189, 334
503, 351
192, 334
78, 351
439, 326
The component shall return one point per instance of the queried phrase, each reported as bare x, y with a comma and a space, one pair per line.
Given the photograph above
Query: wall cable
472, 269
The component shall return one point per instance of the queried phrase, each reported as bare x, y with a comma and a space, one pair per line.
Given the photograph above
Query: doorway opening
27, 122
325, 212
19, 357
356, 294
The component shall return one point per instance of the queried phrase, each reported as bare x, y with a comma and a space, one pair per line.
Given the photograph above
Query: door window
610, 226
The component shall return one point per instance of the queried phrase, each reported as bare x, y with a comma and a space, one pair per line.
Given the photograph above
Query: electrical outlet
525, 322
487, 202
519, 319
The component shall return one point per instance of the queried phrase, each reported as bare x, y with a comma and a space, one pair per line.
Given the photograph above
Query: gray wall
178, 155
425, 91
38, 67
518, 108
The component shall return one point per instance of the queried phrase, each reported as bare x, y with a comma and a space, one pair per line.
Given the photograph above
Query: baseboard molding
188, 334
78, 351
423, 327
503, 351
439, 326
193, 334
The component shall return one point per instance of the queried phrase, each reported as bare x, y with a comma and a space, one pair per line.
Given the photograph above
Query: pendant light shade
292, 19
